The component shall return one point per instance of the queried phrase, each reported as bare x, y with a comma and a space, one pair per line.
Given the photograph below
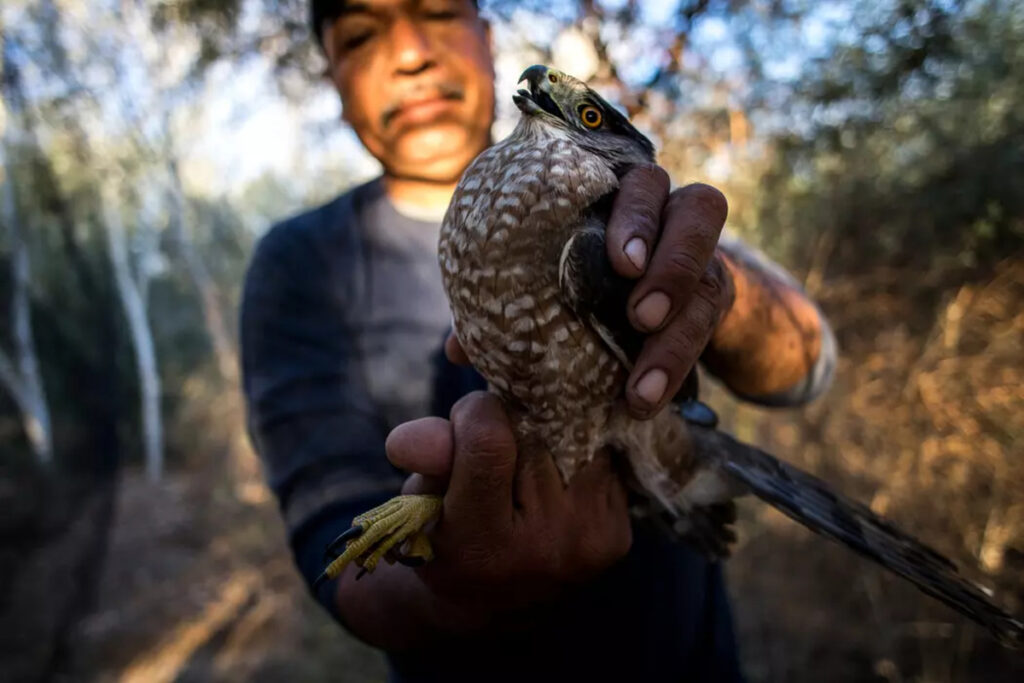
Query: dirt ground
198, 586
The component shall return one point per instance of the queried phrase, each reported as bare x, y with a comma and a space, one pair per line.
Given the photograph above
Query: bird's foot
397, 526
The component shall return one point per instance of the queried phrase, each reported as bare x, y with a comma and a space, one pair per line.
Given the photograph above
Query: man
343, 316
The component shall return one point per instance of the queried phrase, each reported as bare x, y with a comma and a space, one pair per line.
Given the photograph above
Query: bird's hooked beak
538, 98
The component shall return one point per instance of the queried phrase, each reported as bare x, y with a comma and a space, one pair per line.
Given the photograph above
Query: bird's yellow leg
373, 534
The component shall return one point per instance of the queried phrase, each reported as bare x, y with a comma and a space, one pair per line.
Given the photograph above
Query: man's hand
667, 242
511, 534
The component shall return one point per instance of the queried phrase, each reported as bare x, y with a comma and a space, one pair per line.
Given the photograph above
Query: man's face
416, 81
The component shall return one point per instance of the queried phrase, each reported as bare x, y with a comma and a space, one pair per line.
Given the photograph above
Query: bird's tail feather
811, 502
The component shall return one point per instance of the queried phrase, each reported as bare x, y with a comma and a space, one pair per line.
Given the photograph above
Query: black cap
322, 10
319, 12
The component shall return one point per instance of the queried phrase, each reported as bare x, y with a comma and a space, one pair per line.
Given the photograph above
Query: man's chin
438, 153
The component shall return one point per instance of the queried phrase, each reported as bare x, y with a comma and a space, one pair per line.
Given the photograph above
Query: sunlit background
875, 148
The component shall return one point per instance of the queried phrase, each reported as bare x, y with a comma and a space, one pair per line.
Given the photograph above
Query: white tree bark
134, 306
213, 312
21, 375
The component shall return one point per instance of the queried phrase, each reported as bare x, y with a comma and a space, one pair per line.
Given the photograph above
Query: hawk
542, 316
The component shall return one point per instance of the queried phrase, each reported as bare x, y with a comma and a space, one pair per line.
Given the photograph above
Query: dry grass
924, 423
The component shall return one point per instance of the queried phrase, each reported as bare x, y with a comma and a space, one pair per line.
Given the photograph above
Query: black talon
362, 572
695, 412
320, 580
334, 548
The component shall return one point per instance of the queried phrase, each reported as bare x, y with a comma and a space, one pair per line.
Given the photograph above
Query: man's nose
411, 46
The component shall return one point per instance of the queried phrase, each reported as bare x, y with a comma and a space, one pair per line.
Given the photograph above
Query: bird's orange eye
591, 116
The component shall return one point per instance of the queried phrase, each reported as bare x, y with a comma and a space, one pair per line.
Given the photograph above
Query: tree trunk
141, 335
213, 312
21, 376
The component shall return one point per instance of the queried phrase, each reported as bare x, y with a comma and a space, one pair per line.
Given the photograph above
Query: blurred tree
21, 376
74, 304
207, 289
905, 145
170, 89
131, 288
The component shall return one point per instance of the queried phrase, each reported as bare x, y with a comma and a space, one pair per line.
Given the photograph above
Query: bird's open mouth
542, 100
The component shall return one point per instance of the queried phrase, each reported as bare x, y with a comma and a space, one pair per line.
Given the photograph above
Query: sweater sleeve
310, 417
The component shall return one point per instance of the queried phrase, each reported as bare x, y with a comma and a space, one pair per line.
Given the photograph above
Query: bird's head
568, 105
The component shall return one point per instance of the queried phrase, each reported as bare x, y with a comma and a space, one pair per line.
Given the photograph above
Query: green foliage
214, 21
236, 30
907, 146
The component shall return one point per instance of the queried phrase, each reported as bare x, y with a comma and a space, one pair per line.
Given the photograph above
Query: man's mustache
446, 91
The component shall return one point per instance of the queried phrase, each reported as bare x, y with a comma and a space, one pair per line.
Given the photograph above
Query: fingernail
651, 386
636, 252
652, 309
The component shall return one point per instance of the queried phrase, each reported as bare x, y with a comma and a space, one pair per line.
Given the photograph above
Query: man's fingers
636, 219
485, 462
424, 446
691, 224
453, 349
669, 355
